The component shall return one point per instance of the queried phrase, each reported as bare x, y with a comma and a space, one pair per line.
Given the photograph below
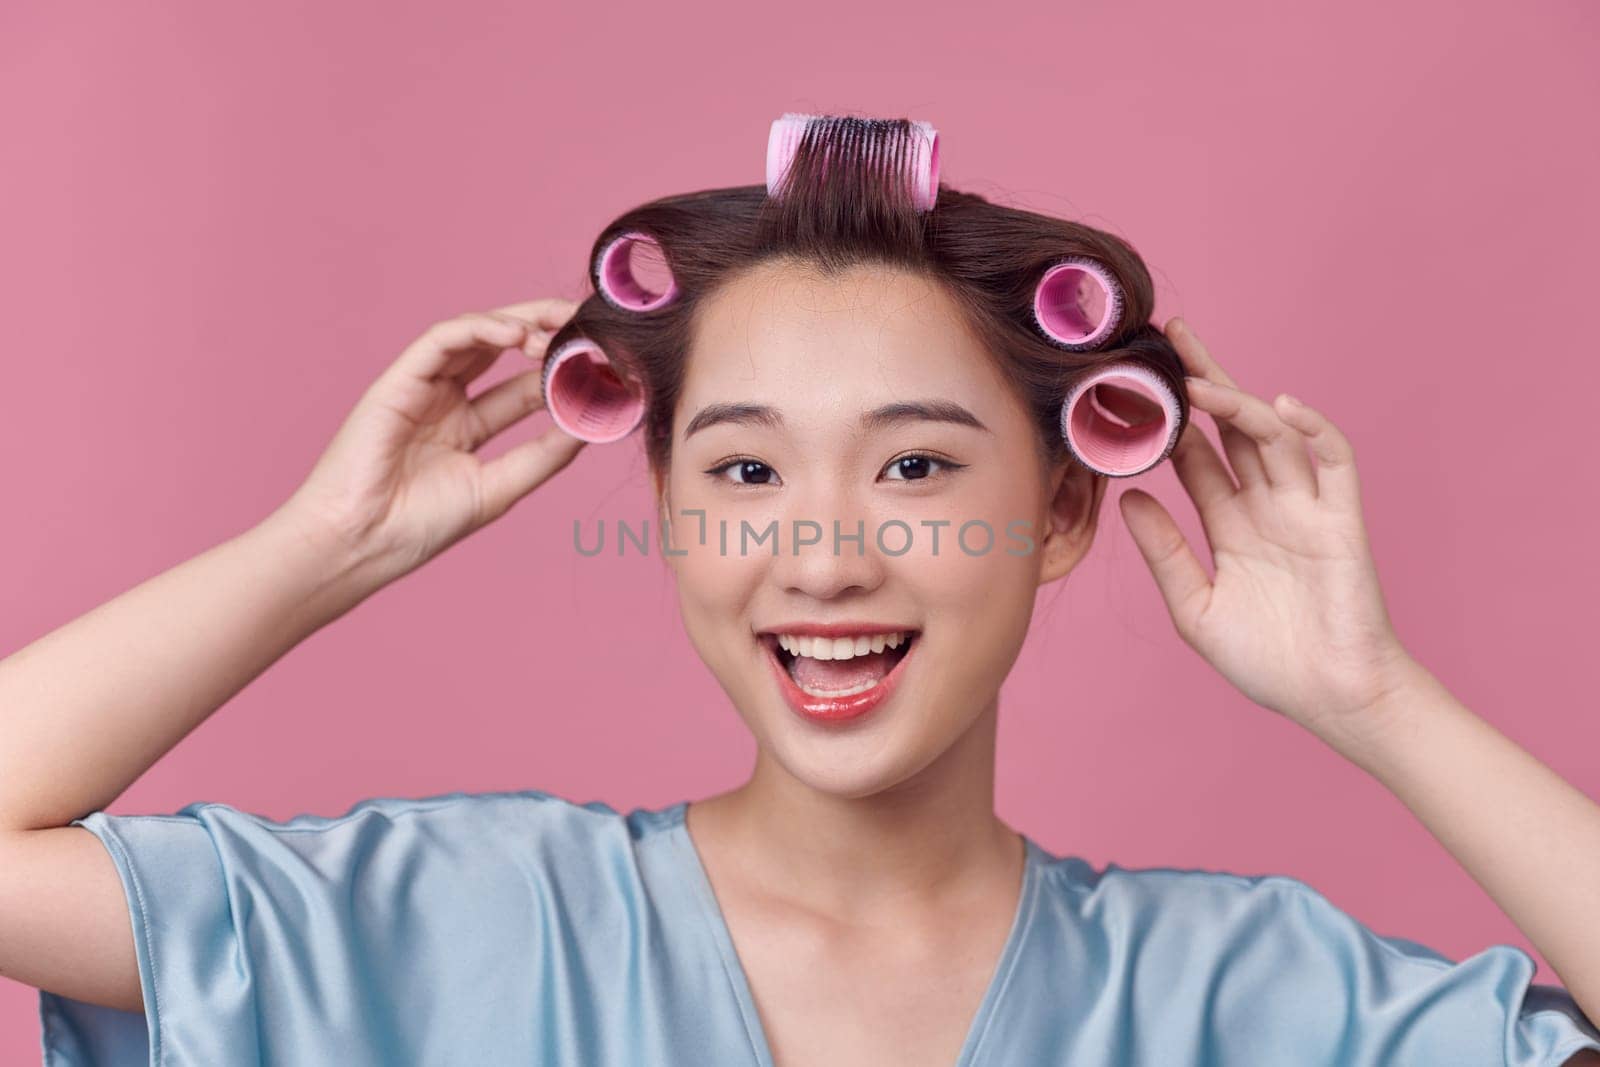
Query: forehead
784, 335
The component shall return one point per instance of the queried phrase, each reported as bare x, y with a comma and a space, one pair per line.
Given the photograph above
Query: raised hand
1294, 616
399, 482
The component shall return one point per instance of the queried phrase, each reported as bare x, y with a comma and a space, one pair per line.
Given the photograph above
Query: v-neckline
694, 869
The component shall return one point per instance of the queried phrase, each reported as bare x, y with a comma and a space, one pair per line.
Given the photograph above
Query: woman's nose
827, 552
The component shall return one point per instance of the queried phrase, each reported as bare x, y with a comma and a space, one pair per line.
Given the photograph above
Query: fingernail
1178, 326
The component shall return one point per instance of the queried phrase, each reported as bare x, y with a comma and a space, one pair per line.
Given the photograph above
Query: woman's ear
1071, 518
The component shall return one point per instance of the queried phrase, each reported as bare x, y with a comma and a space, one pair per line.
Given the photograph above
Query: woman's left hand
1294, 617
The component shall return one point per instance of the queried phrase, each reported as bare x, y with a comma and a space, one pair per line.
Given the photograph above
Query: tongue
840, 673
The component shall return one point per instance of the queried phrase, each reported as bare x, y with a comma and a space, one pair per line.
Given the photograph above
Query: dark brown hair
988, 257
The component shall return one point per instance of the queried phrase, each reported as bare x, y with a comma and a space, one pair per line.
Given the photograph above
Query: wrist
336, 572
1404, 690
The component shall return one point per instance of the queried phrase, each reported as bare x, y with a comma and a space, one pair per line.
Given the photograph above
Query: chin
879, 772
853, 764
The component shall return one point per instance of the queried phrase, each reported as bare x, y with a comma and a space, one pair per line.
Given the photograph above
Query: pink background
222, 221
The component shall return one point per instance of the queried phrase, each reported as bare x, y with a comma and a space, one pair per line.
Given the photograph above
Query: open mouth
825, 667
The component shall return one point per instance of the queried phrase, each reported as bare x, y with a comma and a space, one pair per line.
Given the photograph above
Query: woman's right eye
746, 472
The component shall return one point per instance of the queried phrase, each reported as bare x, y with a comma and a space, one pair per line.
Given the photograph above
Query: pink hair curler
1077, 303
1108, 443
585, 396
616, 279
922, 167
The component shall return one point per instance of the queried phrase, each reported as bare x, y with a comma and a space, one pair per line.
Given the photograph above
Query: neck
923, 841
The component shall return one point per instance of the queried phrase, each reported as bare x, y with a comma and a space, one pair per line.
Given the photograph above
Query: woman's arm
1524, 833
89, 707
1296, 620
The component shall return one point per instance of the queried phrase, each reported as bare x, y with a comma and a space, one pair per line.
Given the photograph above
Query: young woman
835, 354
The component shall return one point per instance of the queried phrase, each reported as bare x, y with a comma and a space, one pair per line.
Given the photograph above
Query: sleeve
392, 934
1312, 976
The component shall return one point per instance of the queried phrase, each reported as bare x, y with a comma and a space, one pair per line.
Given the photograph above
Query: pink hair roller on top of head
922, 166
585, 396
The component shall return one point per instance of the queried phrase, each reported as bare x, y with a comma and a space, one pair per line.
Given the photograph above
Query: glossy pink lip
835, 709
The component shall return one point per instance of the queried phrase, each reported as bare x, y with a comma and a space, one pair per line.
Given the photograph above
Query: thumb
1183, 582
519, 471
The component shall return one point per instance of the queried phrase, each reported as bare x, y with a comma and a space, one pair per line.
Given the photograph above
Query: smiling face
864, 400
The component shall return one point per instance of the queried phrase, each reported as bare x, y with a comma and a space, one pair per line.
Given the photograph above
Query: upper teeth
839, 647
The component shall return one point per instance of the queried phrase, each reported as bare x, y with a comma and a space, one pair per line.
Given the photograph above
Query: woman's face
775, 429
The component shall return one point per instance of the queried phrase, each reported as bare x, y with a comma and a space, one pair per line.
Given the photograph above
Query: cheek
977, 611
979, 598
715, 591
712, 602
716, 583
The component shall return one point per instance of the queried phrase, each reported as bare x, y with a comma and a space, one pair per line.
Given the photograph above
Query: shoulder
1182, 892
1226, 918
1273, 940
495, 834
506, 805
1270, 964
483, 812
417, 909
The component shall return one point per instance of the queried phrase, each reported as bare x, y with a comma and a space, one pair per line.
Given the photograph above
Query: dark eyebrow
877, 418
924, 410
746, 414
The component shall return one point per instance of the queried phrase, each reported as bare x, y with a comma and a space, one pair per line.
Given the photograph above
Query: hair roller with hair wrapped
617, 276
582, 391
921, 167
1109, 443
586, 397
1078, 305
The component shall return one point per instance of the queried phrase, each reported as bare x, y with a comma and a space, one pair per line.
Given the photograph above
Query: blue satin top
523, 928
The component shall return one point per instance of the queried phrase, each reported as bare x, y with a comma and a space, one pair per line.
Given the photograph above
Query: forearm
1525, 834
88, 707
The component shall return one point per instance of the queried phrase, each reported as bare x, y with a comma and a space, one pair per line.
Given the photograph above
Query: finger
536, 345
1183, 582
509, 477
446, 347
549, 314
1199, 363
1336, 457
1242, 453
534, 341
502, 405
1197, 359
1205, 478
468, 365
1280, 446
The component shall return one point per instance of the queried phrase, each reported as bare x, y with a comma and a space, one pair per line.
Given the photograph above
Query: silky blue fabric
524, 928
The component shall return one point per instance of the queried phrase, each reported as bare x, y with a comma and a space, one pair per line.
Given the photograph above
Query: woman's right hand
399, 482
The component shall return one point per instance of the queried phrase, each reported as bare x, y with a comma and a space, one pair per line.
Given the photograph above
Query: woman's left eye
915, 467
